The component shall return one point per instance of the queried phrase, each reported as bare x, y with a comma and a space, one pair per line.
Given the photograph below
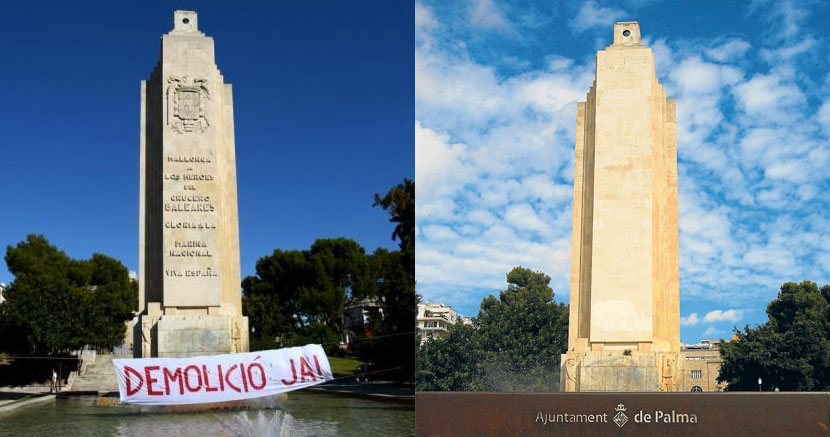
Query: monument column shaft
624, 254
188, 226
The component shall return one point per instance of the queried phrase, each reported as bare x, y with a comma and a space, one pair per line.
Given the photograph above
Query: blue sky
323, 114
496, 84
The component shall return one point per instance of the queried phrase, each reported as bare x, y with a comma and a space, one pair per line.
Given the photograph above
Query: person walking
54, 387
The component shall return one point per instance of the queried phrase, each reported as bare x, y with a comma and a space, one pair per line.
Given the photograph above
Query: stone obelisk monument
189, 278
624, 332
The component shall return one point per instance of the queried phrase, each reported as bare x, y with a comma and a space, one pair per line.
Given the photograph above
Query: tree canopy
400, 203
395, 279
791, 351
56, 304
514, 344
300, 295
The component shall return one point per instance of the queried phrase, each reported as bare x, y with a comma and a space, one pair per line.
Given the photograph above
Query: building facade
357, 319
702, 366
434, 320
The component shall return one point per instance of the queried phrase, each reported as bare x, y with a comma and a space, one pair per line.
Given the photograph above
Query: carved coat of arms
187, 104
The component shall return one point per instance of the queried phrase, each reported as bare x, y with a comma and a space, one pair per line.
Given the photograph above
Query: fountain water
298, 414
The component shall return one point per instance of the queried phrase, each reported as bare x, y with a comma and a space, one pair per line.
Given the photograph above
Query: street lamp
759, 383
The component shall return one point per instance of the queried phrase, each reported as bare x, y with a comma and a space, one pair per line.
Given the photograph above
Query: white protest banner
220, 378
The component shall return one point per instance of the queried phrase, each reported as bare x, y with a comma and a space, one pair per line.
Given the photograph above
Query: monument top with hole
185, 22
627, 33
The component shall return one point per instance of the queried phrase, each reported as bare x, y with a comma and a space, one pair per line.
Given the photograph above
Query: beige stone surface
624, 258
195, 335
188, 225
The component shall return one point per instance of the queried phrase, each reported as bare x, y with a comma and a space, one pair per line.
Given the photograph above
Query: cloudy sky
496, 86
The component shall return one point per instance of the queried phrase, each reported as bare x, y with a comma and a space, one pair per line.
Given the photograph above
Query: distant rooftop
704, 344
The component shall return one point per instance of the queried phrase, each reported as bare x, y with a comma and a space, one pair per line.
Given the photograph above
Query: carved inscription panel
191, 224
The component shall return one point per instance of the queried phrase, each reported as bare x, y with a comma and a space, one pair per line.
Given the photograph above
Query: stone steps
99, 376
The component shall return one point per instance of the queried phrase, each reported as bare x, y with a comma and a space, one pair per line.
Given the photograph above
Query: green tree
300, 295
791, 351
394, 277
112, 297
522, 334
388, 345
451, 362
400, 202
56, 304
514, 343
270, 299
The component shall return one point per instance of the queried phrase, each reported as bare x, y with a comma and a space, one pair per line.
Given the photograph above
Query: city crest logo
620, 419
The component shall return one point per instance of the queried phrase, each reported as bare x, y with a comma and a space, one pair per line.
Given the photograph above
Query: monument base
189, 335
621, 371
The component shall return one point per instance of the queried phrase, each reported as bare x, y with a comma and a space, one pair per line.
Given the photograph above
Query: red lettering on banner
244, 376
294, 372
228, 381
130, 390
221, 380
154, 382
305, 370
317, 364
207, 379
177, 375
261, 375
187, 377
150, 380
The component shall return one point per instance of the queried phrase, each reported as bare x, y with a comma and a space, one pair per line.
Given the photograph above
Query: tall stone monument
624, 332
189, 278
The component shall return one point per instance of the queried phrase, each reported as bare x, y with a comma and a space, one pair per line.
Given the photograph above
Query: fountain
300, 413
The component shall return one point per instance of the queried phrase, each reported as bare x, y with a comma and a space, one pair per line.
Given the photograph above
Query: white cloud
712, 317
769, 96
784, 16
485, 14
439, 232
523, 218
728, 51
593, 15
791, 170
691, 320
823, 117
424, 19
787, 53
723, 316
438, 166
699, 77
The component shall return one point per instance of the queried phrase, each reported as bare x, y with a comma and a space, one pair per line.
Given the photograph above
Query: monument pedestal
621, 371
179, 336
190, 336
